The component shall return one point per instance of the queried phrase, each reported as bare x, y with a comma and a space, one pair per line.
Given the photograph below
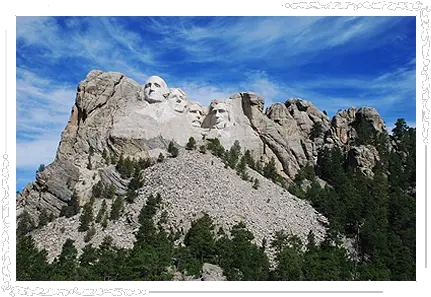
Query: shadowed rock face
115, 114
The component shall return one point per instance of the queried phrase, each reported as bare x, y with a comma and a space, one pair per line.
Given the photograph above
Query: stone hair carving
219, 115
195, 114
178, 100
155, 90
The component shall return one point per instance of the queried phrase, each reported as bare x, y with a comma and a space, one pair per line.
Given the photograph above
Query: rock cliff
114, 115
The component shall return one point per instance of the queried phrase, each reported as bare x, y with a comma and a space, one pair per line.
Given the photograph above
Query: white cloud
30, 154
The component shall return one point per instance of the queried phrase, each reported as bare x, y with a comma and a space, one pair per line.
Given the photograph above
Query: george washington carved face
155, 90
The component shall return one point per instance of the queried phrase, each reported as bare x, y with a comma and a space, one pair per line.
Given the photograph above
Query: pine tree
241, 168
105, 221
172, 149
116, 209
25, 224
256, 184
316, 130
40, 169
191, 145
200, 239
86, 217
44, 218
31, 264
101, 212
90, 233
249, 159
65, 268
97, 189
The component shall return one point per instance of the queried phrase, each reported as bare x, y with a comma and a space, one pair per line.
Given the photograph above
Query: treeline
155, 257
378, 213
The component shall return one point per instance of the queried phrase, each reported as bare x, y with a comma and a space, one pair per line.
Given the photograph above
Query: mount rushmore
115, 114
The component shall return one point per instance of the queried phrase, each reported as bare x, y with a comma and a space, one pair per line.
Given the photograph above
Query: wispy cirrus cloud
334, 62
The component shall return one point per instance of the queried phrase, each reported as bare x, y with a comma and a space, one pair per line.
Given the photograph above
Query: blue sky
334, 62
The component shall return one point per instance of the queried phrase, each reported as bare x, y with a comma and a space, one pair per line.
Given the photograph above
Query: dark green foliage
379, 213
86, 217
114, 159
306, 172
90, 233
241, 168
97, 189
137, 180
316, 130
109, 191
186, 262
203, 149
324, 112
172, 149
104, 154
131, 195
215, 147
65, 267
100, 190
44, 218
297, 191
105, 221
364, 132
239, 258
31, 264
101, 212
160, 158
200, 239
256, 184
233, 154
116, 208
125, 166
400, 128
270, 172
191, 144
72, 207
89, 165
249, 160
40, 169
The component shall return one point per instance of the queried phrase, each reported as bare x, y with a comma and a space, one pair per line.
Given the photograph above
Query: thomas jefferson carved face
220, 114
155, 90
195, 114
177, 100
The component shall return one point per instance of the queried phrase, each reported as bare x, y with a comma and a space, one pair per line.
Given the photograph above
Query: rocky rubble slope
190, 185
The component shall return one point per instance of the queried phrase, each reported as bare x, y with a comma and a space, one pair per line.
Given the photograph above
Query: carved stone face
219, 112
155, 90
196, 115
178, 100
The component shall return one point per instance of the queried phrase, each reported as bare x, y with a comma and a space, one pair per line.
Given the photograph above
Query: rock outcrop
114, 115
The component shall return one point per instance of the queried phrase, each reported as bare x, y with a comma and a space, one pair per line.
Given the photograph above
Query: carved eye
147, 85
192, 111
157, 85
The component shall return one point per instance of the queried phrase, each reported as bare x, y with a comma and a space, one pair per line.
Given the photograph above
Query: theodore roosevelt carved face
155, 90
195, 114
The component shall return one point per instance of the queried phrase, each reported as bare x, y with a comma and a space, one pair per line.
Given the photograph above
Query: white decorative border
5, 215
347, 6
